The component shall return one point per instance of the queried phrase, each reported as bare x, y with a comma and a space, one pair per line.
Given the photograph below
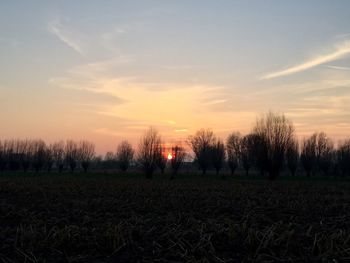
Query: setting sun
170, 156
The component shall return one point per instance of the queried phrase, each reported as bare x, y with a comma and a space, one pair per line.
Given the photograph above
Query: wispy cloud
339, 52
337, 67
56, 28
213, 102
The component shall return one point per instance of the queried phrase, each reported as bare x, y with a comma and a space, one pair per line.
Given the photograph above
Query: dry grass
53, 219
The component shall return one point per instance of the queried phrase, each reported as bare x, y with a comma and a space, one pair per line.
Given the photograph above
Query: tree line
269, 148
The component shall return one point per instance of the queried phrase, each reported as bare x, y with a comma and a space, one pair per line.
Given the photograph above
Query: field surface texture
130, 219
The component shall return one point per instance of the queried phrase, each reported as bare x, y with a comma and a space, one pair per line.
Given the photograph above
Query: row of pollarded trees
318, 154
151, 154
270, 147
266, 147
37, 155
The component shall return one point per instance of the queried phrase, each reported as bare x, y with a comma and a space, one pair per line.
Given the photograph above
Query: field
110, 218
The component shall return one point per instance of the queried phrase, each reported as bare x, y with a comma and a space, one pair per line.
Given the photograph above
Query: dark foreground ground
111, 219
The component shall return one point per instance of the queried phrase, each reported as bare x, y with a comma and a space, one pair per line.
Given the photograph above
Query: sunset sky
107, 70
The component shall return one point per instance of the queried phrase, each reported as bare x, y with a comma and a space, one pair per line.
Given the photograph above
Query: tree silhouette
148, 151
58, 155
86, 152
124, 155
39, 154
324, 152
292, 156
162, 158
343, 157
71, 154
308, 154
233, 150
178, 156
201, 144
247, 153
276, 133
218, 155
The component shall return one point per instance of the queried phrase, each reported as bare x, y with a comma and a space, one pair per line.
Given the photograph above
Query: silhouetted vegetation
201, 144
233, 149
125, 155
148, 151
218, 155
275, 134
178, 156
270, 148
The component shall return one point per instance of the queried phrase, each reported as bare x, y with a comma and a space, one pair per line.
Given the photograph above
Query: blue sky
106, 70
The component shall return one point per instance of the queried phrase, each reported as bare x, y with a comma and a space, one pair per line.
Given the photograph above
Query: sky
105, 71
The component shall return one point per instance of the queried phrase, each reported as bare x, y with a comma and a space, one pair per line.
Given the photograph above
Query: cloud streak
57, 29
337, 67
340, 52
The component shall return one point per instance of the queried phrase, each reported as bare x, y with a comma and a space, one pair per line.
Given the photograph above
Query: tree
218, 155
308, 154
233, 150
246, 153
71, 154
178, 156
162, 158
292, 156
14, 155
86, 152
276, 133
201, 144
110, 160
49, 160
26, 152
324, 152
2, 156
148, 151
343, 157
317, 152
58, 155
39, 154
124, 155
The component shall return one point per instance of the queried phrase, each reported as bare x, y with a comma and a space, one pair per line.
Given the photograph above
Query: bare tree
14, 154
178, 156
71, 154
277, 133
201, 144
39, 154
247, 153
317, 152
125, 154
2, 156
162, 158
233, 150
292, 156
324, 152
86, 152
343, 157
110, 160
308, 154
49, 160
58, 155
148, 151
6, 152
218, 155
26, 154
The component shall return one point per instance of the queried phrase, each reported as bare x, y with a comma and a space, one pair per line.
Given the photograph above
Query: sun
170, 156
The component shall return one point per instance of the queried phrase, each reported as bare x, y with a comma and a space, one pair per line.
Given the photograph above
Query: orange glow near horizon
170, 156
